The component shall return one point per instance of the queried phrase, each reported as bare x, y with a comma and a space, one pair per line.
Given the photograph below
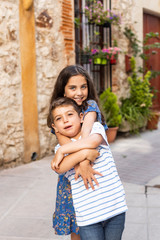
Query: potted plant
99, 55
153, 120
111, 111
135, 109
113, 53
97, 15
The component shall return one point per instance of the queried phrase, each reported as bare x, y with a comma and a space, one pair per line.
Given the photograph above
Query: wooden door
151, 23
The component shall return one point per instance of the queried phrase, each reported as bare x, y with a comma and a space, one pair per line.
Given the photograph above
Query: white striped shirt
107, 200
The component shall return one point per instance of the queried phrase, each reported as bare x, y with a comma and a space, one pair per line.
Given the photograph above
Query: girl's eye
73, 88
84, 86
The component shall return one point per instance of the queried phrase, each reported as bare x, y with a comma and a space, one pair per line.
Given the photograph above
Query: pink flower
105, 50
94, 51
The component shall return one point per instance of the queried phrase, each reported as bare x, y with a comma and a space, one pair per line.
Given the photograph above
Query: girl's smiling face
76, 89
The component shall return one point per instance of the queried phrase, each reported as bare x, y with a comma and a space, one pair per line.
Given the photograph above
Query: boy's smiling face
67, 121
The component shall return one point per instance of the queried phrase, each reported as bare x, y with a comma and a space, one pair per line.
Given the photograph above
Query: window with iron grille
89, 35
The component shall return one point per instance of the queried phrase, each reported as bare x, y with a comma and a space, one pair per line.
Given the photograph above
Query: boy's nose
65, 119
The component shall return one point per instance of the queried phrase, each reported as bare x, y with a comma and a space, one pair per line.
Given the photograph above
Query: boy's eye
70, 114
57, 119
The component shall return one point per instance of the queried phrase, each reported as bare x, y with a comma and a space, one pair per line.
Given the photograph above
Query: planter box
85, 58
127, 63
100, 61
113, 61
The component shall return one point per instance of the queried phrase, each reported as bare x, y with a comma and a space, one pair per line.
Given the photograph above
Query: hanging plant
113, 53
96, 14
101, 56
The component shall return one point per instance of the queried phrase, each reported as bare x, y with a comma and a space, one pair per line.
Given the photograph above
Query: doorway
151, 23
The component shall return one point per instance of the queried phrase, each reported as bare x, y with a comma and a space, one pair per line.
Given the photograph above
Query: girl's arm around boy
90, 142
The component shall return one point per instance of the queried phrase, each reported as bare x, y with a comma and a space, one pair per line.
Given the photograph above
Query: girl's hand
85, 170
57, 159
53, 165
91, 154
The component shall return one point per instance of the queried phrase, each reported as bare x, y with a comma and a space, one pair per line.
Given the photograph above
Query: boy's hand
57, 160
85, 170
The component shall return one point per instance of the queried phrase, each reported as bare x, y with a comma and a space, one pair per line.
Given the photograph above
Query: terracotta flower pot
111, 134
153, 121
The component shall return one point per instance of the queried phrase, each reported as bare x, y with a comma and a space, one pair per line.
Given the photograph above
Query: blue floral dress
64, 219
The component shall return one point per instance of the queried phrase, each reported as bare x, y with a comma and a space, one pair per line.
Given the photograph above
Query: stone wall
11, 126
52, 54
124, 7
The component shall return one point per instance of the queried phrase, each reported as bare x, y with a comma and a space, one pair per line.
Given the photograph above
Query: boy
100, 213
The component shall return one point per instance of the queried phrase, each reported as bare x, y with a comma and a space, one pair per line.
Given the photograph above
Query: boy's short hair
59, 102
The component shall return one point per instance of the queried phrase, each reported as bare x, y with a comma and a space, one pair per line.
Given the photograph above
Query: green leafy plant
110, 108
134, 42
136, 108
77, 22
144, 50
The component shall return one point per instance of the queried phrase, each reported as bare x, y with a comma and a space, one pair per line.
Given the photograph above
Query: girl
74, 82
